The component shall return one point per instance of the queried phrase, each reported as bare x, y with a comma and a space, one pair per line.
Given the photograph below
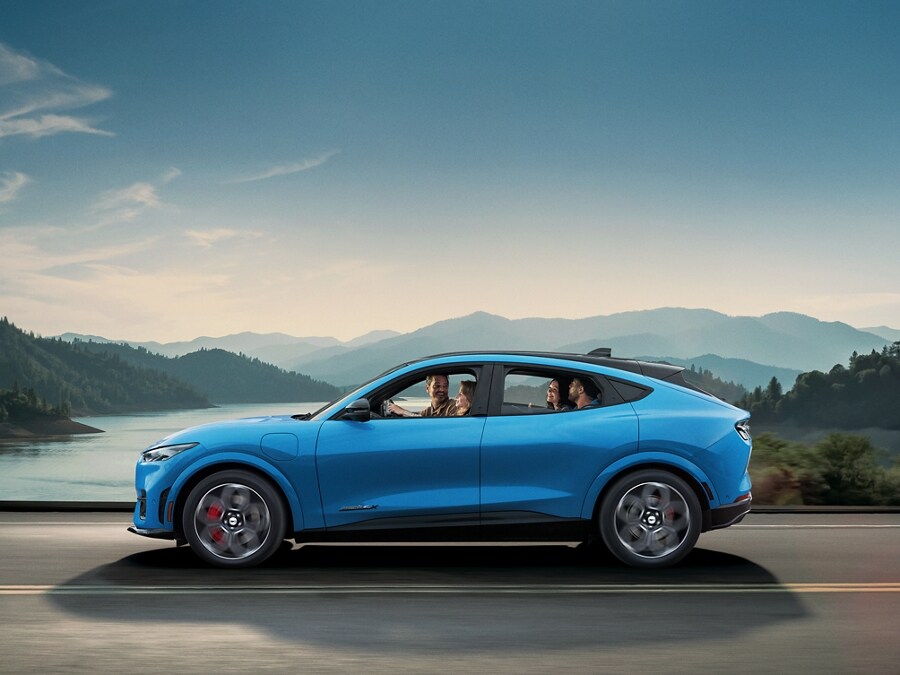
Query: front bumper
729, 514
153, 533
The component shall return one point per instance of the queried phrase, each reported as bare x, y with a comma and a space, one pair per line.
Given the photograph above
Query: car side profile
644, 464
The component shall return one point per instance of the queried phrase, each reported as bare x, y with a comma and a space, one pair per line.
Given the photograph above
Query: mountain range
272, 348
744, 349
98, 377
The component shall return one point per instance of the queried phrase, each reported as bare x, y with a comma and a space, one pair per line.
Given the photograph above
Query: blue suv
542, 447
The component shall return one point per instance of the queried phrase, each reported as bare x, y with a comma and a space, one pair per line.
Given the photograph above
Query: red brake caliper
213, 513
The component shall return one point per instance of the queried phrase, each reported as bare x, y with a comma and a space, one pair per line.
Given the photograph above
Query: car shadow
440, 597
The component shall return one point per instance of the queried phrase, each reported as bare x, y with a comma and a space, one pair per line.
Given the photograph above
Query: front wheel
234, 519
650, 519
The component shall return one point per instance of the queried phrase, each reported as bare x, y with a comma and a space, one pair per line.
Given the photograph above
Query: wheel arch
188, 480
693, 476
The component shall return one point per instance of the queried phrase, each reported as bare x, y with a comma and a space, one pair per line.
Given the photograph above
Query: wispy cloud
16, 67
139, 195
171, 175
47, 125
284, 170
42, 94
42, 250
127, 204
10, 184
206, 238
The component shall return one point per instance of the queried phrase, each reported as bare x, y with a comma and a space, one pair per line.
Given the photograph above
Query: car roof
598, 357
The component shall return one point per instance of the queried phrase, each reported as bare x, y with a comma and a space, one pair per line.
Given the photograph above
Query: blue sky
174, 169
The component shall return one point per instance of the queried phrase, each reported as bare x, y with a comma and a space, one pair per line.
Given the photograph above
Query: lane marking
815, 527
512, 589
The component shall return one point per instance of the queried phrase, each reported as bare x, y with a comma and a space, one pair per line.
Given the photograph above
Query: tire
234, 519
650, 519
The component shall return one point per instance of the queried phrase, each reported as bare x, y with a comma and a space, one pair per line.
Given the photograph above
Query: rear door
537, 465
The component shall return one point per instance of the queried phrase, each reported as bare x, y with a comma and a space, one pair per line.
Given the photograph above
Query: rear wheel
650, 518
234, 519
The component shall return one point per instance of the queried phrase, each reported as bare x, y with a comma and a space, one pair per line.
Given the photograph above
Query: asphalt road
775, 594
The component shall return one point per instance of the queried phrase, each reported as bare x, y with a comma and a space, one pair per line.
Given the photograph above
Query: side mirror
358, 411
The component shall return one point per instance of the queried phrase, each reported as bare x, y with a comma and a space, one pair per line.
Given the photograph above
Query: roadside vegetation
840, 469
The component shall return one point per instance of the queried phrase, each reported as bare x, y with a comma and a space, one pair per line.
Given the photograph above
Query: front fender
262, 466
640, 460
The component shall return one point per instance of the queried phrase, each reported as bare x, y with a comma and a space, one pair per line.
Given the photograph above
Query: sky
173, 169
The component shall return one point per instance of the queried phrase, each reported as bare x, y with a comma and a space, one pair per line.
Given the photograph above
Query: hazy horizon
138, 339
170, 170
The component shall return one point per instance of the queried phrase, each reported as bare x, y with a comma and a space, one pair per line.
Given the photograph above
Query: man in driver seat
438, 388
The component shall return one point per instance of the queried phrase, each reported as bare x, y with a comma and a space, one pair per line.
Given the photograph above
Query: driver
438, 388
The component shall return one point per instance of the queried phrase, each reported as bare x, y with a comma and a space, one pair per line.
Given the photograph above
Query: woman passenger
558, 394
465, 397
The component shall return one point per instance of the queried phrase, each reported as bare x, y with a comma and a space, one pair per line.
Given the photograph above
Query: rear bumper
729, 515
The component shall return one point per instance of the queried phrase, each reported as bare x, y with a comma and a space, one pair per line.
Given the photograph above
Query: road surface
777, 593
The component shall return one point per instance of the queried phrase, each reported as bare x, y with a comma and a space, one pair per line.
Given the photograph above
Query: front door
400, 472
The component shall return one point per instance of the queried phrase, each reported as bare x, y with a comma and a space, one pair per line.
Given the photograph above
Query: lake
100, 467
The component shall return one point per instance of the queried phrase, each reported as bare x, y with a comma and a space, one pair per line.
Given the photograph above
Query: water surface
100, 467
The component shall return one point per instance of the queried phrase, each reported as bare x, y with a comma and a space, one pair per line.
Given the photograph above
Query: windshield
352, 395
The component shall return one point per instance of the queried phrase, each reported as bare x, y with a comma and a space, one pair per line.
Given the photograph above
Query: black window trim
481, 371
611, 396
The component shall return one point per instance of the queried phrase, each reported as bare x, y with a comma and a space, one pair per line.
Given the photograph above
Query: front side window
432, 394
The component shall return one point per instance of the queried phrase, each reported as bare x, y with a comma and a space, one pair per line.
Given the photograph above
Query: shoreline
43, 428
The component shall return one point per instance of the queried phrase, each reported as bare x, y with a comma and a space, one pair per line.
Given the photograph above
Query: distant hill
72, 378
224, 377
239, 343
371, 337
746, 373
276, 348
743, 349
889, 334
783, 341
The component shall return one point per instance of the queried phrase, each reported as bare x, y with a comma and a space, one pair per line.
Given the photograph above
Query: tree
773, 391
894, 350
850, 467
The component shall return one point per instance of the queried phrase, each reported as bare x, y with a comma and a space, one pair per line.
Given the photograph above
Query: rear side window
537, 391
628, 390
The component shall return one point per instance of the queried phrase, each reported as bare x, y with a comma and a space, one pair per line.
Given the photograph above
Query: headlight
743, 428
165, 452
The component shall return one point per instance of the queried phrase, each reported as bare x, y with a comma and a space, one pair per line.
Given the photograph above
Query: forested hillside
705, 380
71, 378
225, 377
866, 393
